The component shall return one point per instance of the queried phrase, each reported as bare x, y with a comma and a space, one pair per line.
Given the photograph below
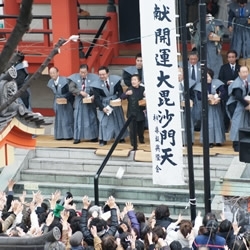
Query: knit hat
76, 239
94, 211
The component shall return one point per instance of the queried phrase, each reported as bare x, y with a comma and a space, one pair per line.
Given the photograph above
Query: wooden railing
96, 52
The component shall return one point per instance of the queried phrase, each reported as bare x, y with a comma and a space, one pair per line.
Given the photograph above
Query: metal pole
96, 189
203, 60
183, 30
99, 171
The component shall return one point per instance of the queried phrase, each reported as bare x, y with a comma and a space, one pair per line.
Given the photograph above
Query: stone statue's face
10, 89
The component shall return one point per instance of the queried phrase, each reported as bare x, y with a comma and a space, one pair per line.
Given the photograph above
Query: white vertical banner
160, 69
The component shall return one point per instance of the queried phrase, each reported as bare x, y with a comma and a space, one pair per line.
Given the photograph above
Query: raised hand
111, 202
86, 202
129, 206
54, 198
50, 219
11, 184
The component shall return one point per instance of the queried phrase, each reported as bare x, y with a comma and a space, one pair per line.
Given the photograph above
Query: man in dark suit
228, 73
194, 75
111, 118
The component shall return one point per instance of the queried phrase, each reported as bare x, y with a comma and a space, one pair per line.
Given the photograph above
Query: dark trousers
231, 108
225, 115
139, 130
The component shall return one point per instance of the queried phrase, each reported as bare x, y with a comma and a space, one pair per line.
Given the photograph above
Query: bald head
54, 73
243, 72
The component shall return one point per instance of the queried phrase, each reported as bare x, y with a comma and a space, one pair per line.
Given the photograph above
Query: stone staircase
64, 169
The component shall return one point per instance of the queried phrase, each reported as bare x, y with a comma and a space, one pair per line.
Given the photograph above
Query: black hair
212, 226
84, 66
175, 245
125, 244
140, 217
242, 1
161, 212
119, 228
194, 52
99, 223
137, 75
69, 195
75, 224
210, 72
158, 230
207, 217
138, 55
225, 226
23, 226
45, 206
232, 51
104, 68
145, 228
106, 208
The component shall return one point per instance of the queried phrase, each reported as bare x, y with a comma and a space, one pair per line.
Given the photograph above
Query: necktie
193, 73
246, 85
83, 83
107, 85
232, 70
242, 12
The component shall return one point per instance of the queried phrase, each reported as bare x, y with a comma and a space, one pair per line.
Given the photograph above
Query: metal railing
132, 118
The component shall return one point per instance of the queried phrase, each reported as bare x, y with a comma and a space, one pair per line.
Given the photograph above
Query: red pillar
113, 25
11, 7
65, 24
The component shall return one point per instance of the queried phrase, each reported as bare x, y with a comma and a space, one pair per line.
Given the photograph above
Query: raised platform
143, 153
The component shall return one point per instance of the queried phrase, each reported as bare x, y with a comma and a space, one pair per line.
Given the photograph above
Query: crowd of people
88, 106
227, 84
111, 227
227, 96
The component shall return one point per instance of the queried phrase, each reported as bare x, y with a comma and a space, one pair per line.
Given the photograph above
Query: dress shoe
102, 143
211, 145
141, 140
218, 144
236, 146
68, 139
76, 141
197, 129
94, 140
122, 141
236, 149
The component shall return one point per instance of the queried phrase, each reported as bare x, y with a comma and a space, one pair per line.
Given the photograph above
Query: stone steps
73, 170
141, 202
106, 178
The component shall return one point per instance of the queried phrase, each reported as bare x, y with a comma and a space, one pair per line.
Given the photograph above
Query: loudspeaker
244, 145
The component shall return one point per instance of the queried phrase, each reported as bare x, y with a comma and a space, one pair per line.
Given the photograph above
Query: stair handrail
132, 118
98, 33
